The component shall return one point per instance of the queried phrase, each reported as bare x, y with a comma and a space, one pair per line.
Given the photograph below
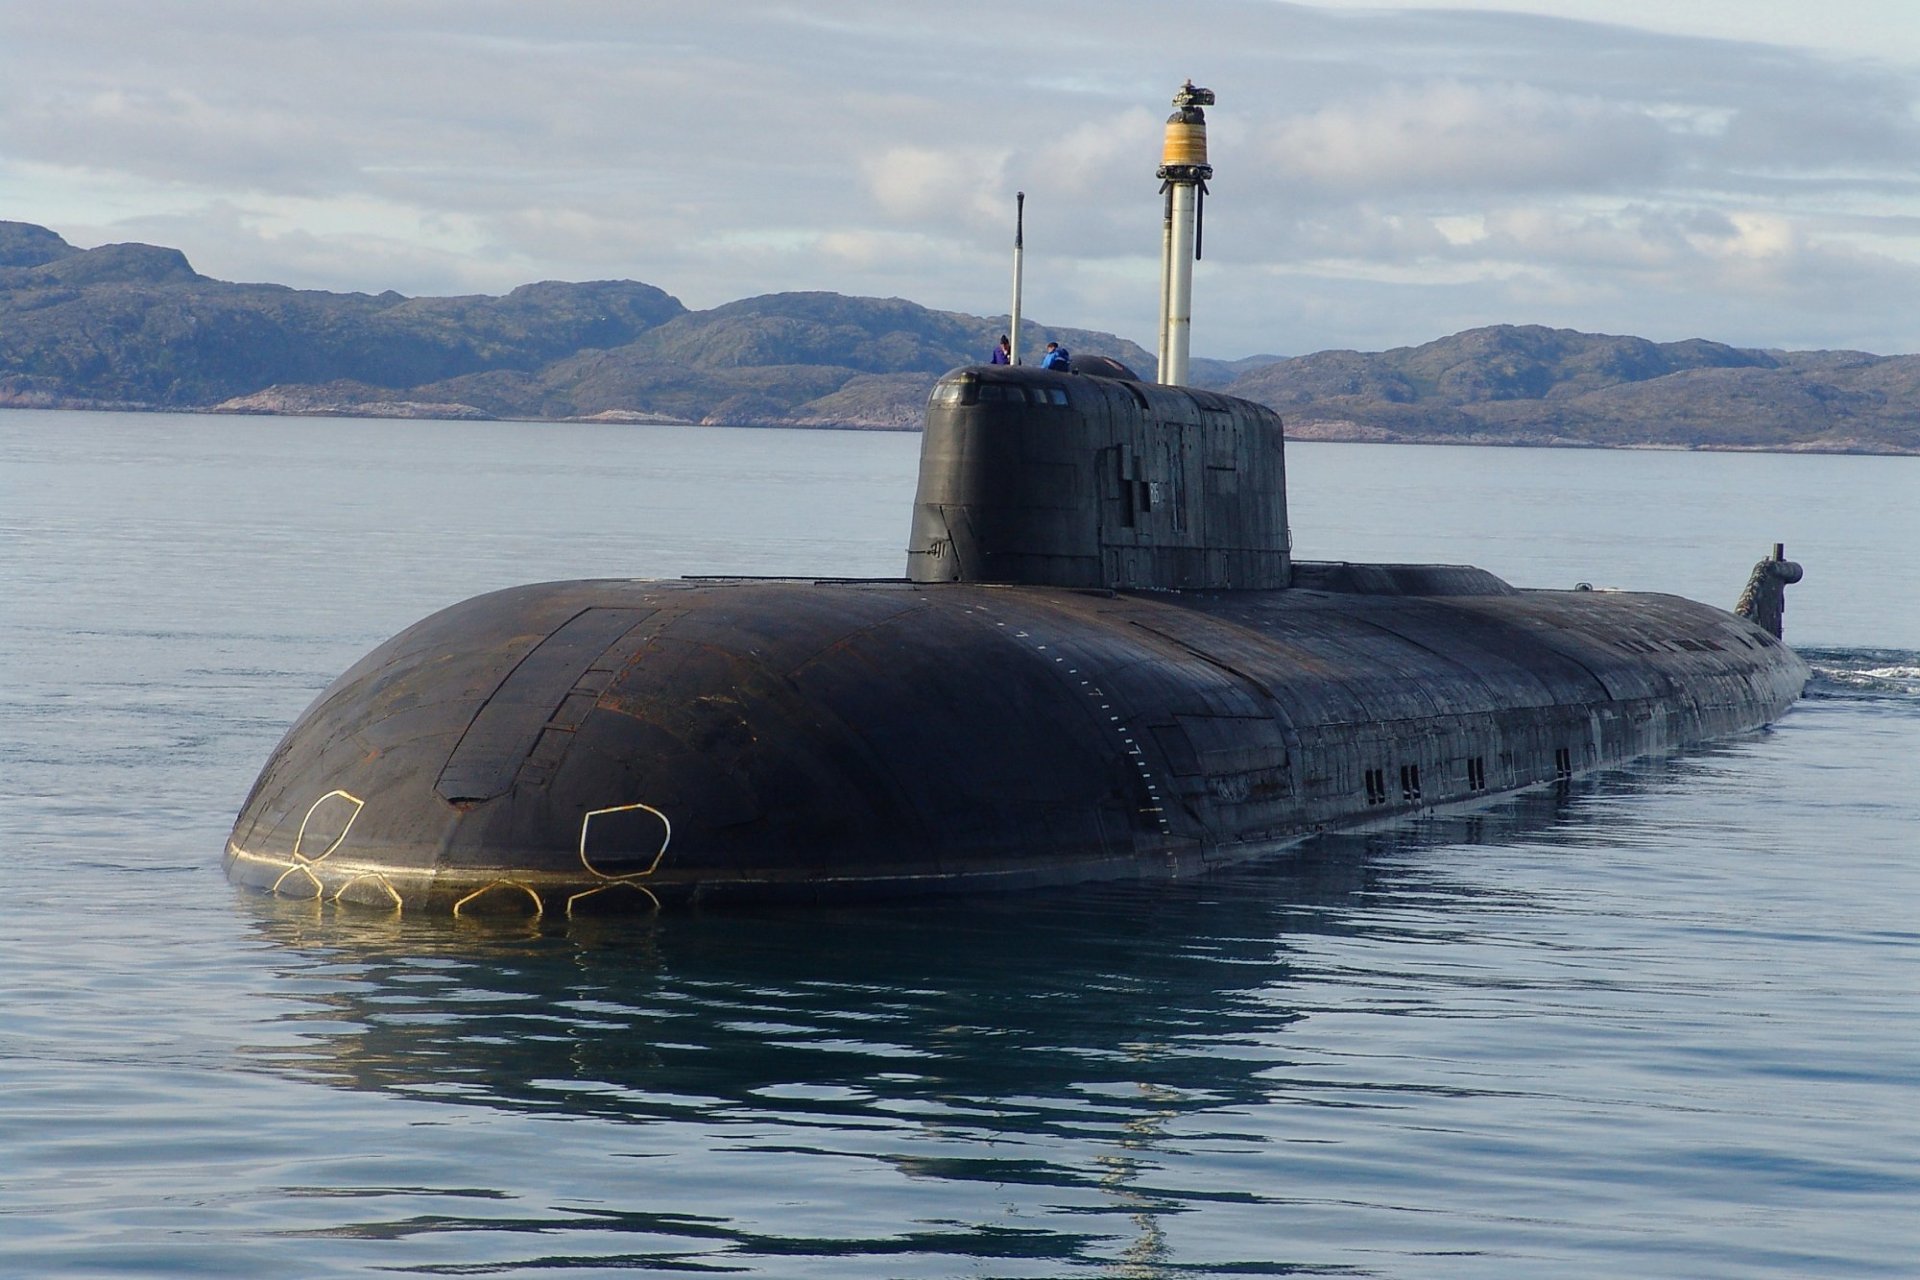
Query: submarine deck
639, 741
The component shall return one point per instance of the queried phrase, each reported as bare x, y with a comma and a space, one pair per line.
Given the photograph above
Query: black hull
615, 744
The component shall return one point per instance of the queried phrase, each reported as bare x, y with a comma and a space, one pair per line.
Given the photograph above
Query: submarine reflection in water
1103, 662
686, 1014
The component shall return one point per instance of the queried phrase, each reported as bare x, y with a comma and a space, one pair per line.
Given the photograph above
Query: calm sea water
1665, 1022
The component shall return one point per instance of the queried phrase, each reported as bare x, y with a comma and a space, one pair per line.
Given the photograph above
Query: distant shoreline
134, 328
1308, 432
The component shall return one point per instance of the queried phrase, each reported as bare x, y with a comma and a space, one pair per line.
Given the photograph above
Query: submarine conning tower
1095, 479
1069, 480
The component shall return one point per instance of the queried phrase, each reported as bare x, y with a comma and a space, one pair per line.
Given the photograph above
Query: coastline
1309, 430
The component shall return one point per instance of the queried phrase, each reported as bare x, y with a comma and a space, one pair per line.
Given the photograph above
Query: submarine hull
619, 744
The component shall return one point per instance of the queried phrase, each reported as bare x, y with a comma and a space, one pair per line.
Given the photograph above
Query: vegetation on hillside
134, 326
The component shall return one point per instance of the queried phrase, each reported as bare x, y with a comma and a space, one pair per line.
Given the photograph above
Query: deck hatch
503, 731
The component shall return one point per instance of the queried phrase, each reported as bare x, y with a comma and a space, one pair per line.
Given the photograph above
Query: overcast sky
1746, 171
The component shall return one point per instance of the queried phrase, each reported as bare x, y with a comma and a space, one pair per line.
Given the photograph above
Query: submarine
1102, 661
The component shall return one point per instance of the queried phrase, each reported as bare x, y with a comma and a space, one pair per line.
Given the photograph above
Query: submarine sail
1102, 661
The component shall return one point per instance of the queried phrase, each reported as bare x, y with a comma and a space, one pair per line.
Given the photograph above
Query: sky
1742, 171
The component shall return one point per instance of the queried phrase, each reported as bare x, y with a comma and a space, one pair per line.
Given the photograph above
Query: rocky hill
1523, 384
134, 326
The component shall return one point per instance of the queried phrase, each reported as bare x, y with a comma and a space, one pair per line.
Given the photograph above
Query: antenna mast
1183, 175
1019, 248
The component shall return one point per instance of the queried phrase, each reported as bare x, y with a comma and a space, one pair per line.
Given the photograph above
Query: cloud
255, 245
1381, 175
1452, 137
171, 133
955, 184
1868, 125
